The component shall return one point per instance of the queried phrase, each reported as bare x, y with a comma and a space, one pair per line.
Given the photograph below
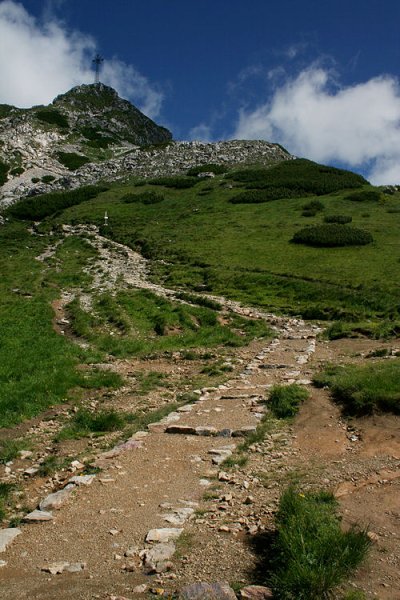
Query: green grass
364, 389
5, 493
312, 554
84, 422
71, 160
143, 323
205, 244
285, 400
9, 449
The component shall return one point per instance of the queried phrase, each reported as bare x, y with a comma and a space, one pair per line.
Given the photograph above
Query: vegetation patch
146, 197
39, 207
285, 400
313, 555
301, 176
365, 196
3, 172
178, 183
265, 195
332, 234
71, 160
341, 219
52, 116
364, 389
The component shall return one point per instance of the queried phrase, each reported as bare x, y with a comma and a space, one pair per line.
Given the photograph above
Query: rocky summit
90, 133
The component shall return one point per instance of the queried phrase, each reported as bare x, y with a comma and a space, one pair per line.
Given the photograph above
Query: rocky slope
89, 134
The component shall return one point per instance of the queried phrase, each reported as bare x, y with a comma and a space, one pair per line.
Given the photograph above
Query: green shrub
3, 172
364, 196
341, 219
39, 207
312, 555
96, 137
208, 168
147, 197
71, 160
315, 205
301, 176
260, 196
48, 178
179, 183
285, 400
53, 117
331, 235
35, 179
85, 422
17, 171
364, 389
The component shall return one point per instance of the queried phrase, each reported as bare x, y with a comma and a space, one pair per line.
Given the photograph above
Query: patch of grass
179, 183
149, 381
4, 168
364, 389
285, 400
207, 168
96, 379
9, 449
5, 493
341, 219
199, 300
365, 196
51, 464
382, 329
84, 423
313, 555
146, 197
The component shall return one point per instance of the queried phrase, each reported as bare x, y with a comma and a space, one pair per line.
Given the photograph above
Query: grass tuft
286, 399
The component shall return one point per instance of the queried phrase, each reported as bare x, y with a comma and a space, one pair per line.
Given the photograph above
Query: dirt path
171, 477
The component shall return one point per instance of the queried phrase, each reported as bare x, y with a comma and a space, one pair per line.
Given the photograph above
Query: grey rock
256, 592
55, 568
164, 534
244, 431
207, 430
37, 516
7, 536
82, 479
58, 499
207, 591
157, 558
181, 429
75, 567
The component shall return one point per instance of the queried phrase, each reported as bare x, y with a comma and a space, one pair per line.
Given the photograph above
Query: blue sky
320, 77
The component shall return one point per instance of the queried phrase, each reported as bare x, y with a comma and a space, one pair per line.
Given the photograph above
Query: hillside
91, 134
225, 332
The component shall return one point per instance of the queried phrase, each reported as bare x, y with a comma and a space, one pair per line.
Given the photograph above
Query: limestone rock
7, 536
37, 516
207, 591
256, 592
58, 499
165, 534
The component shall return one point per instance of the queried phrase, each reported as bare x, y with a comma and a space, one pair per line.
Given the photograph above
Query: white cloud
201, 133
39, 60
312, 116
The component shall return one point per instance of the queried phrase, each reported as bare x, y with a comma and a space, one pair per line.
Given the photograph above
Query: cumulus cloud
313, 116
201, 133
41, 59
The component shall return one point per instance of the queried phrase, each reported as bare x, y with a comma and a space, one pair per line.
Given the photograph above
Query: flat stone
55, 568
139, 589
25, 454
244, 431
256, 592
37, 516
7, 536
163, 535
82, 479
181, 429
31, 471
206, 430
186, 408
3, 563
178, 516
155, 558
58, 499
75, 567
207, 591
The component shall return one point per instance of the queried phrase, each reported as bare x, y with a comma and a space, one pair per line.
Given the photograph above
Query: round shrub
53, 117
17, 171
364, 196
331, 235
260, 196
208, 168
315, 205
341, 219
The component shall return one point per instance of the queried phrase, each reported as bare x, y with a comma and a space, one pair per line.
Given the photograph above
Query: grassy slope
244, 250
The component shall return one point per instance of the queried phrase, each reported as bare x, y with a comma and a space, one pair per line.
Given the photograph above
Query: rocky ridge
91, 134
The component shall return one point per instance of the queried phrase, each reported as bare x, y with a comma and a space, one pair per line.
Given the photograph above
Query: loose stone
7, 536
165, 534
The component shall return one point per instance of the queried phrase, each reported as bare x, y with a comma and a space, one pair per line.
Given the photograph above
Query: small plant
312, 553
313, 206
17, 171
48, 178
85, 422
286, 399
208, 168
9, 449
341, 219
331, 235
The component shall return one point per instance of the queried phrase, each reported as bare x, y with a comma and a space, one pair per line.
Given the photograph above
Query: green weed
285, 400
312, 553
